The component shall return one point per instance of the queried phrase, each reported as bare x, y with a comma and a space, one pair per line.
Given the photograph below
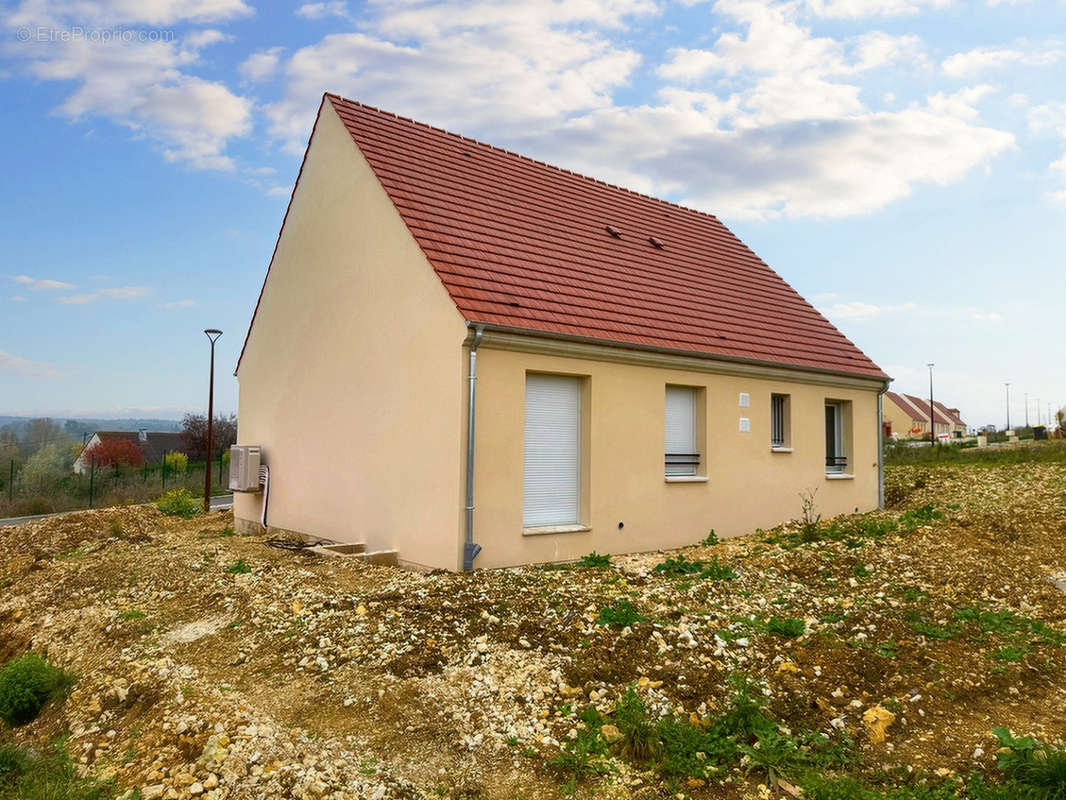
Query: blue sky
901, 162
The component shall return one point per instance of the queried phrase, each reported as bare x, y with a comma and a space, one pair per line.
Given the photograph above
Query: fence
100, 486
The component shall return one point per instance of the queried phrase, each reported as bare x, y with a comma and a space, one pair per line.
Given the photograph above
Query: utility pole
932, 412
212, 334
1008, 404
1027, 409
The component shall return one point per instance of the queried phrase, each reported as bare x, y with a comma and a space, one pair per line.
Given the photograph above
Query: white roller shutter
680, 429
553, 451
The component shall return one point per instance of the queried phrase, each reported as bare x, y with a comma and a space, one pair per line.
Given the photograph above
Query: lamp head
212, 334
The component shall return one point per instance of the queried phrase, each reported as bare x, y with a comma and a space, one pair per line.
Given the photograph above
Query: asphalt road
217, 504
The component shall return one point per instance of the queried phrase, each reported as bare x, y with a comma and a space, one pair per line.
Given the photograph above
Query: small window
836, 459
682, 456
779, 422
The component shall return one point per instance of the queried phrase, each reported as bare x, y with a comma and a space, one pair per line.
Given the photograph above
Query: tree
44, 470
41, 432
115, 453
194, 435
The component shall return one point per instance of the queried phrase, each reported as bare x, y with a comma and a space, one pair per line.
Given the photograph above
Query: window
682, 455
552, 477
779, 422
835, 455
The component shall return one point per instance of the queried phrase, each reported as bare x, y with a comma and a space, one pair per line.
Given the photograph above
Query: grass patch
239, 567
47, 775
593, 560
132, 614
786, 627
680, 566
26, 684
678, 747
620, 614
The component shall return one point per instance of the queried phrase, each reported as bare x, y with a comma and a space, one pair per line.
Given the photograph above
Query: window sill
839, 476
780, 449
549, 529
686, 479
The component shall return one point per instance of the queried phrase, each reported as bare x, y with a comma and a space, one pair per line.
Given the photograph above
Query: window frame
781, 419
836, 464
580, 475
694, 469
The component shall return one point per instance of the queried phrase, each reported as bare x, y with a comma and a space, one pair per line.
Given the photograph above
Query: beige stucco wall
748, 486
352, 377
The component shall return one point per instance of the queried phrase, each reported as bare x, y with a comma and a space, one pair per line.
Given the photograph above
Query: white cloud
38, 284
323, 10
854, 9
78, 299
115, 293
142, 85
125, 292
261, 65
972, 62
178, 304
13, 365
512, 65
17, 298
108, 13
1050, 118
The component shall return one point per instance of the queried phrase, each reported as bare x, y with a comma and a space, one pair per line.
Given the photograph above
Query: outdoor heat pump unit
244, 468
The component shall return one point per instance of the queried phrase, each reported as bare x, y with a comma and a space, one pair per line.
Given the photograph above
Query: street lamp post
1027, 409
1008, 405
932, 418
212, 334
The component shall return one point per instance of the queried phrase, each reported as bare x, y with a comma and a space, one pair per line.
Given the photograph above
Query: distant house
461, 353
152, 444
906, 416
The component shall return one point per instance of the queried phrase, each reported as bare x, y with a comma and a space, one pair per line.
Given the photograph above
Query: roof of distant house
156, 444
919, 409
522, 245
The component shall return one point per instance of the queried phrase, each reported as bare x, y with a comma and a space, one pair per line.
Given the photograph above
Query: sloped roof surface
923, 409
524, 245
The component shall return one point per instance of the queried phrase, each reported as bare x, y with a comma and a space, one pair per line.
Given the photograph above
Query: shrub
594, 559
178, 503
114, 453
620, 615
711, 539
176, 463
26, 684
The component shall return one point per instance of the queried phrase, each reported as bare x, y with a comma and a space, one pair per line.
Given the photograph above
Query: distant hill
88, 424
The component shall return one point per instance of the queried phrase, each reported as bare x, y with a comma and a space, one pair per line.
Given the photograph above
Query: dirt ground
213, 665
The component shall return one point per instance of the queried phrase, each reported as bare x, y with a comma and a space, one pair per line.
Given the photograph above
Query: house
906, 416
152, 444
475, 359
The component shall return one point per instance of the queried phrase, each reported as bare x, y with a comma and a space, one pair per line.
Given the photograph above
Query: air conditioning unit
244, 468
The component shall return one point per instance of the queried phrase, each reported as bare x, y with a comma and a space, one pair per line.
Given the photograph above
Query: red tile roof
951, 413
523, 245
923, 409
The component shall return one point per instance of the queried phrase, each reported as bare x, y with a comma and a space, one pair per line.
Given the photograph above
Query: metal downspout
471, 550
881, 448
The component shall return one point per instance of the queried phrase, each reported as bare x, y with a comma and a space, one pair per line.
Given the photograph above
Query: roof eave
881, 381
